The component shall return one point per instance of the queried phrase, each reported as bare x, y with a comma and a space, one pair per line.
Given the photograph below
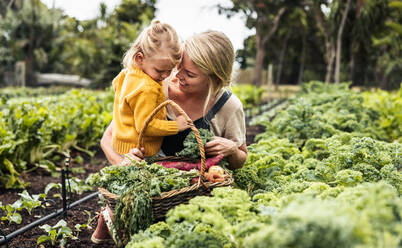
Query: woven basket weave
170, 199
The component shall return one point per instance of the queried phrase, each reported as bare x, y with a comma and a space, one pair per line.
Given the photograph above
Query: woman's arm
238, 158
112, 156
236, 155
106, 144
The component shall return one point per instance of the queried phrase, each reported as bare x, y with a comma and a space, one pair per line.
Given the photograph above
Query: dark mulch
38, 181
253, 131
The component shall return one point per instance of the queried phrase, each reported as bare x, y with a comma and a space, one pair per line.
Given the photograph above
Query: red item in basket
189, 166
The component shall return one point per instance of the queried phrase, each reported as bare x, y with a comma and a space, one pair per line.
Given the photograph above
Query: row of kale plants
325, 173
39, 130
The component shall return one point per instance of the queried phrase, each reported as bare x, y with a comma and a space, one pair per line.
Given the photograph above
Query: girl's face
191, 78
157, 67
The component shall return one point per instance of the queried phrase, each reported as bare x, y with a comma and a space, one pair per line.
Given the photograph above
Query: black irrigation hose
64, 177
67, 166
53, 204
4, 237
7, 238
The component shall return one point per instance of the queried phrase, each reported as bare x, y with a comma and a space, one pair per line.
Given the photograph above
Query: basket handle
190, 123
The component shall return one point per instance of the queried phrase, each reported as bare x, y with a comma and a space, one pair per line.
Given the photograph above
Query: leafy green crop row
34, 131
364, 216
322, 111
276, 165
249, 95
24, 92
389, 105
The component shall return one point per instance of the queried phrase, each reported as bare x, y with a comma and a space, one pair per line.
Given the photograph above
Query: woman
197, 87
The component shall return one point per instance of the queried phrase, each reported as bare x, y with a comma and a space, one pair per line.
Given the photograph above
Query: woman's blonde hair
213, 53
154, 39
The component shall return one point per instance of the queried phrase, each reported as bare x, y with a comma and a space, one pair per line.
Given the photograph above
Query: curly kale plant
367, 215
324, 110
204, 222
191, 148
340, 160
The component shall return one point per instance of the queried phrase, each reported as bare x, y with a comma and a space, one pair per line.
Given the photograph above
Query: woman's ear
138, 58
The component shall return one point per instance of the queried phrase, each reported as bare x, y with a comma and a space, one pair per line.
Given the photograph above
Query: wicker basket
170, 199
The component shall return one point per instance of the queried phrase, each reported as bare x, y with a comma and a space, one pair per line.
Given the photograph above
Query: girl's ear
138, 58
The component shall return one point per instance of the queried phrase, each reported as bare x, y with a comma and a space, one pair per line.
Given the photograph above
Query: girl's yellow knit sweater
136, 96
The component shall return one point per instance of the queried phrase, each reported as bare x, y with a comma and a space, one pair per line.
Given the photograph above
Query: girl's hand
219, 146
182, 123
136, 154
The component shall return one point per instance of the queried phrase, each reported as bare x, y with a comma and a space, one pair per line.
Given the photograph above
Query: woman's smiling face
191, 78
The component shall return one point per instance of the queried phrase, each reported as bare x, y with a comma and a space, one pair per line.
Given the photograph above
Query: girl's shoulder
119, 80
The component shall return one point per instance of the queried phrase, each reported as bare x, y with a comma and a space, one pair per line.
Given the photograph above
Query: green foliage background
50, 41
91, 48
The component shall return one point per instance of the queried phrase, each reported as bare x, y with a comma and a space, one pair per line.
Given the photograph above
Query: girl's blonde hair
152, 40
213, 53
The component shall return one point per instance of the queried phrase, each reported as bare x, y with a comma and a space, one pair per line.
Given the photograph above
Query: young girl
138, 90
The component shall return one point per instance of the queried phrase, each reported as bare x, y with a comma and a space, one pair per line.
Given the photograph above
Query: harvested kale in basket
136, 184
191, 149
133, 212
117, 179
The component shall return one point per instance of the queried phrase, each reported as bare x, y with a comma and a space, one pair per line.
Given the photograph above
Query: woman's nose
179, 74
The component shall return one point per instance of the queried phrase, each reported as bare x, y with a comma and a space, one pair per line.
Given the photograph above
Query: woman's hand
236, 155
219, 146
134, 154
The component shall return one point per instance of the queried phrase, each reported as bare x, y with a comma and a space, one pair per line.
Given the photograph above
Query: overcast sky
186, 16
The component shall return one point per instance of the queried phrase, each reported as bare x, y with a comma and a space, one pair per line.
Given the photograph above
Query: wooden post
20, 73
269, 81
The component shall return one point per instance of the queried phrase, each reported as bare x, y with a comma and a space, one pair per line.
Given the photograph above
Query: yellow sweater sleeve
145, 104
118, 81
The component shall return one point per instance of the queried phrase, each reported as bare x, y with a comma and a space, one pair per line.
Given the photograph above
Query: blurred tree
9, 4
388, 44
264, 16
294, 27
49, 41
359, 42
294, 50
28, 33
324, 24
366, 19
135, 11
339, 40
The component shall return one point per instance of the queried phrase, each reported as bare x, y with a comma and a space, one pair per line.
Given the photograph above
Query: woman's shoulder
229, 121
233, 103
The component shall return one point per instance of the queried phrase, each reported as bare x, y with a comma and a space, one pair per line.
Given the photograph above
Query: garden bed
78, 215
38, 181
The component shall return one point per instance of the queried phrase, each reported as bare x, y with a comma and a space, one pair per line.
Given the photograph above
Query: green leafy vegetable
137, 184
191, 148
